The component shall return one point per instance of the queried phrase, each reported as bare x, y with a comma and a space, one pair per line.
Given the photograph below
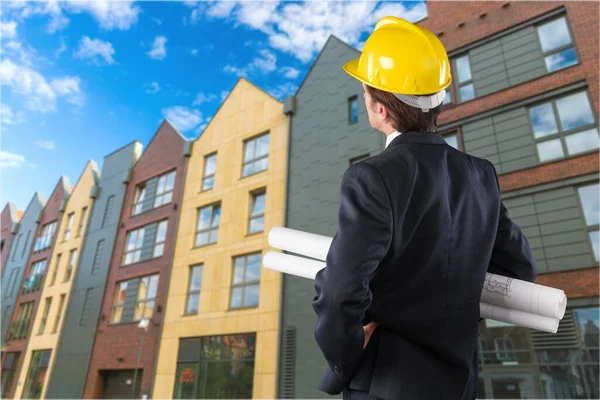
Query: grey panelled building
81, 317
20, 250
329, 130
524, 96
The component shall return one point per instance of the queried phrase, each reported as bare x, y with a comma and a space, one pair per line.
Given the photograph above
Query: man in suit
419, 226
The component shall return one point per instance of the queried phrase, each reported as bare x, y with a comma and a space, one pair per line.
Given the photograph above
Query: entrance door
118, 384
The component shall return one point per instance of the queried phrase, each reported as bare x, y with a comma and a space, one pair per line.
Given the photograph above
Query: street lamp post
142, 325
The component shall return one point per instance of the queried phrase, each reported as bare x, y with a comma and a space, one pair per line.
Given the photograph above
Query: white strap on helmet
425, 103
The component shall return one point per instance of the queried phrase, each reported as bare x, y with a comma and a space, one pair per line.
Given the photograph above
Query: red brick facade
458, 24
115, 345
6, 226
50, 213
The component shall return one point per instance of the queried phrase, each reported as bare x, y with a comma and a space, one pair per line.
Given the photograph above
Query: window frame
163, 241
562, 134
589, 228
134, 250
351, 99
253, 196
59, 312
69, 226
548, 53
45, 314
70, 265
244, 283
138, 199
458, 98
120, 306
190, 292
162, 195
145, 300
255, 159
213, 175
210, 228
82, 220
55, 271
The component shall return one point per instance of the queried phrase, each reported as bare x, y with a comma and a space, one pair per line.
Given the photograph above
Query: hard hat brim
351, 68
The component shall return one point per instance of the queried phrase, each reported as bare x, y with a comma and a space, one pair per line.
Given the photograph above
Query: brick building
124, 353
9, 218
525, 97
28, 290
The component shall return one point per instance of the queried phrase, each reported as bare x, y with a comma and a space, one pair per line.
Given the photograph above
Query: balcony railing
32, 283
19, 329
42, 242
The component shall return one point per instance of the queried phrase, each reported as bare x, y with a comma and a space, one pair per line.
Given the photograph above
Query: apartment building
29, 288
221, 327
56, 290
525, 97
9, 218
14, 268
126, 339
76, 334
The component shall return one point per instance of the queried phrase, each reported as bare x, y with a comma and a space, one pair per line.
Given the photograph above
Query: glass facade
215, 367
519, 363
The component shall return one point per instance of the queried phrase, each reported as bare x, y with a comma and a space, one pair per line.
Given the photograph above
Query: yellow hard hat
402, 58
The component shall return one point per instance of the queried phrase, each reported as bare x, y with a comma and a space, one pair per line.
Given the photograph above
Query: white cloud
202, 98
289, 72
7, 117
265, 63
183, 118
8, 30
194, 52
159, 50
110, 14
46, 144
157, 21
95, 50
11, 160
283, 90
61, 49
39, 94
301, 29
152, 88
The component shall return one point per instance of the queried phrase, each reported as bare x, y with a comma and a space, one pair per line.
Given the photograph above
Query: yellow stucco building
56, 289
221, 327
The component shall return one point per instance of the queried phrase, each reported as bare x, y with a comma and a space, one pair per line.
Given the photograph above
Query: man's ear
382, 111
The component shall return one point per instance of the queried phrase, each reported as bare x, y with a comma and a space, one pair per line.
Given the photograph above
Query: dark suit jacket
419, 226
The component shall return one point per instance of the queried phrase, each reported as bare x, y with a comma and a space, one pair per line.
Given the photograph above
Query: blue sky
81, 79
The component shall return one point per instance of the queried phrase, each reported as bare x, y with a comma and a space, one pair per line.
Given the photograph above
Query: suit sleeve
511, 255
361, 242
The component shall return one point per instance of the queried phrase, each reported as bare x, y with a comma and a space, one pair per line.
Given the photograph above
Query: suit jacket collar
417, 138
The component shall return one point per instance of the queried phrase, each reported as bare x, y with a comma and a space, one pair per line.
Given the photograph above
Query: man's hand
369, 329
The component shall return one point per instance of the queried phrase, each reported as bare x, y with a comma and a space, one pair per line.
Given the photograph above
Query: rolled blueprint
524, 296
498, 290
519, 318
306, 268
304, 243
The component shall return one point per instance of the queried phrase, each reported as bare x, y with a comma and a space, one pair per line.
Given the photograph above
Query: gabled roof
94, 169
165, 122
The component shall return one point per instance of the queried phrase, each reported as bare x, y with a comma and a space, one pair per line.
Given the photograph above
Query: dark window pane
186, 379
251, 296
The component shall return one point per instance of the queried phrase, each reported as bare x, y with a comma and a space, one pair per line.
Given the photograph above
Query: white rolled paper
517, 317
524, 296
305, 268
498, 290
298, 242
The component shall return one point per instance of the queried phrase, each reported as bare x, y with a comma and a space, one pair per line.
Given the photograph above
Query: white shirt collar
391, 137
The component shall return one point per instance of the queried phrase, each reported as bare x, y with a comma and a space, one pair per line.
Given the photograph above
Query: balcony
42, 243
32, 283
19, 329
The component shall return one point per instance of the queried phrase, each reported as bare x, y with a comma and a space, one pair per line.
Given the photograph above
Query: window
466, 89
20, 326
161, 235
257, 212
504, 349
452, 140
133, 249
9, 367
564, 126
164, 189
47, 305
138, 199
207, 228
359, 158
215, 367
98, 254
85, 309
591, 211
557, 45
55, 271
246, 281
256, 155
108, 210
116, 313
36, 376
33, 282
61, 304
70, 218
353, 110
14, 253
82, 221
70, 265
210, 166
193, 295
144, 304
448, 98
45, 239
